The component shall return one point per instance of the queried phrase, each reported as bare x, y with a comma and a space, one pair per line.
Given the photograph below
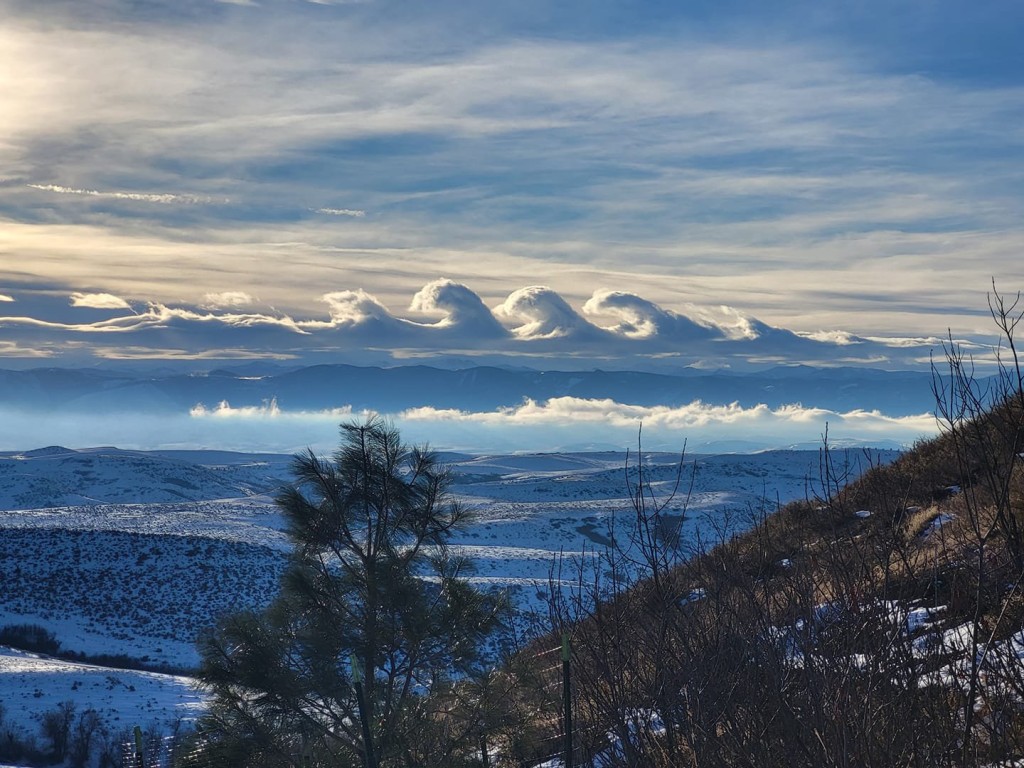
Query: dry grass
921, 544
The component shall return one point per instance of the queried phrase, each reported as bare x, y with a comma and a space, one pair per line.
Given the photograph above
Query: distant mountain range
391, 390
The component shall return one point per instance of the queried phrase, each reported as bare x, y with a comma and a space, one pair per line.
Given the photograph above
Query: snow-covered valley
134, 553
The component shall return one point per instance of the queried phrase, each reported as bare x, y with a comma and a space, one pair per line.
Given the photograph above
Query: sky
589, 184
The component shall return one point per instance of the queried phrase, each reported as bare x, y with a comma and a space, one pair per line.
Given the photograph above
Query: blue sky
643, 184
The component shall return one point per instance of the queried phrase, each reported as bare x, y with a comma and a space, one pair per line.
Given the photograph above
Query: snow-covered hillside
135, 553
57, 476
31, 684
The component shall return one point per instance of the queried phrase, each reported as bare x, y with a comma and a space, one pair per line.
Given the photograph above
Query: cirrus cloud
165, 198
354, 213
649, 150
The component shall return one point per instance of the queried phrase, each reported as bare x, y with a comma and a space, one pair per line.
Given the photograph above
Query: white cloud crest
355, 307
98, 301
544, 314
643, 319
459, 305
534, 321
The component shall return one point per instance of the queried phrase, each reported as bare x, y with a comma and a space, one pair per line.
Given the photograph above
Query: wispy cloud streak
146, 197
350, 212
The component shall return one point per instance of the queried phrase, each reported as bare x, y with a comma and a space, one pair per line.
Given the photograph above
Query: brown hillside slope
878, 624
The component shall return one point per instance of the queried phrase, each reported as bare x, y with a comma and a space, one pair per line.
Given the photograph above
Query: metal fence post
566, 700
140, 760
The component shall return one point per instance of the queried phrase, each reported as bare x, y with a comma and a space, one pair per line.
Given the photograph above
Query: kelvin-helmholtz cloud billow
533, 322
641, 319
465, 314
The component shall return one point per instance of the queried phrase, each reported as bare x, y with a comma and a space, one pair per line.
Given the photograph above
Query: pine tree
372, 589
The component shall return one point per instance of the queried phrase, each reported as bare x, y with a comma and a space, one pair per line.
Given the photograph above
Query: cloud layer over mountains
852, 169
534, 323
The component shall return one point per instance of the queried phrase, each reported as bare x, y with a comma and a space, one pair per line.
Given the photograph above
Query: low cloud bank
575, 422
558, 424
573, 411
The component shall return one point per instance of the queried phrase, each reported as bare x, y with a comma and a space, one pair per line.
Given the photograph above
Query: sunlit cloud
449, 318
269, 410
909, 342
543, 314
159, 317
353, 308
98, 301
149, 353
11, 349
639, 157
733, 323
227, 299
568, 422
641, 318
840, 338
461, 308
569, 410
223, 410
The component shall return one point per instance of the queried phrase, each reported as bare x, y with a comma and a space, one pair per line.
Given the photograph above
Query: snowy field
133, 553
33, 684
